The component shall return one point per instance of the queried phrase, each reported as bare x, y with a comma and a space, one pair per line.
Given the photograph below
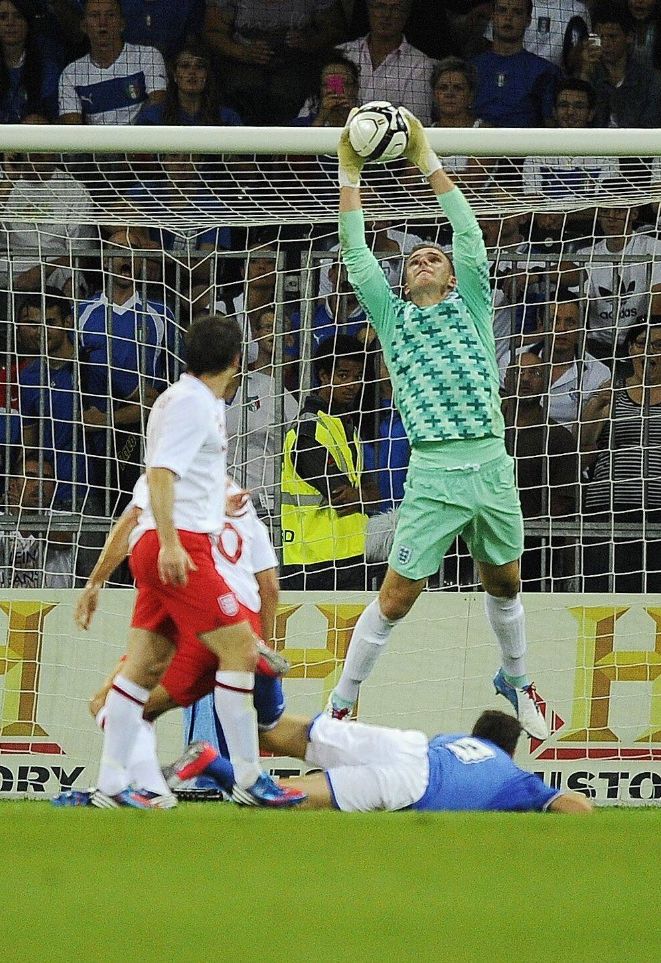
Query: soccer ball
378, 131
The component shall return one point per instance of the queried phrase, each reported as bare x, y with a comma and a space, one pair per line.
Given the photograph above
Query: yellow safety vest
312, 531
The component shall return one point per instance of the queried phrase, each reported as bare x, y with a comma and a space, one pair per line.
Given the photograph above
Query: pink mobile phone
335, 83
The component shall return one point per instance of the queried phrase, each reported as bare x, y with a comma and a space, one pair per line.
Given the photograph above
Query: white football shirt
243, 549
186, 434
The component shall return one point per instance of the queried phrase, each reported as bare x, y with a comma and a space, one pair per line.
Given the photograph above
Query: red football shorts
205, 603
192, 672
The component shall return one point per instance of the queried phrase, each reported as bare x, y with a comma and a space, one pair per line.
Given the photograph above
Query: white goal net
106, 257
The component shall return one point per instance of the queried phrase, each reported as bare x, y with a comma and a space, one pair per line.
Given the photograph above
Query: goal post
114, 239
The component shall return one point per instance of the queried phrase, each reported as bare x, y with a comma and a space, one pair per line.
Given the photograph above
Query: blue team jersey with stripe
469, 773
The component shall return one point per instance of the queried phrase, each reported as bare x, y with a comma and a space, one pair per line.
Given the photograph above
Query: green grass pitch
213, 882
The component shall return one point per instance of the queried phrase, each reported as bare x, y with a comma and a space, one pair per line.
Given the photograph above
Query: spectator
391, 245
257, 291
115, 79
440, 28
626, 482
546, 466
555, 27
34, 560
337, 93
390, 68
264, 334
567, 177
620, 292
324, 491
514, 86
517, 279
453, 85
338, 313
40, 253
28, 65
627, 94
162, 24
561, 177
257, 419
50, 401
387, 457
269, 50
191, 97
647, 36
122, 348
575, 375
181, 195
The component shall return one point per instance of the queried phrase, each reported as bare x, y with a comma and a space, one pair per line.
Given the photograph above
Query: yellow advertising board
596, 661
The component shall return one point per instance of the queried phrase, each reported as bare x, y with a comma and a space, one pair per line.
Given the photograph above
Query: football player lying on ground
370, 768
247, 561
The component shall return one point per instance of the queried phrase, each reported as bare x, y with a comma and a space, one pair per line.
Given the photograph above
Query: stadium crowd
93, 316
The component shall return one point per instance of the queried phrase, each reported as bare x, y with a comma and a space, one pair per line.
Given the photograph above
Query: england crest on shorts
228, 605
404, 554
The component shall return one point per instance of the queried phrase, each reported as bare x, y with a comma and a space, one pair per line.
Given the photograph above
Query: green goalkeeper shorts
480, 503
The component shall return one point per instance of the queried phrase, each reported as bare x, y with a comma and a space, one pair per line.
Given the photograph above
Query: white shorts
369, 767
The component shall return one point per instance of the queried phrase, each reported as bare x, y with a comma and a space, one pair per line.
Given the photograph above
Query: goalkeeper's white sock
123, 717
233, 699
368, 641
508, 621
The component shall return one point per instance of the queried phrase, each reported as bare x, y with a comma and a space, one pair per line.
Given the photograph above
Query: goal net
108, 254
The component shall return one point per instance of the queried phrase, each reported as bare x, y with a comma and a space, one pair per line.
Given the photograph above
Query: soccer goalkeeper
439, 347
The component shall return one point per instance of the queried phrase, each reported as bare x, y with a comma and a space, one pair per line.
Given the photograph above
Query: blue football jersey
470, 773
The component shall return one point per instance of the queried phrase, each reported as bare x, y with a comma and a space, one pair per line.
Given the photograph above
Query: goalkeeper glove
350, 163
418, 149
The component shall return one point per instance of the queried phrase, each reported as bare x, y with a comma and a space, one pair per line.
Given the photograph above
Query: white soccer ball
379, 132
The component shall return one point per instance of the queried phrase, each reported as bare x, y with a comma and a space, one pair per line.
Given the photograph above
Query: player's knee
396, 598
502, 581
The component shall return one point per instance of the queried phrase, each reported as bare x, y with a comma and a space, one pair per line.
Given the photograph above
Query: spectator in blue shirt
339, 313
191, 96
163, 24
181, 193
515, 88
50, 401
29, 70
124, 360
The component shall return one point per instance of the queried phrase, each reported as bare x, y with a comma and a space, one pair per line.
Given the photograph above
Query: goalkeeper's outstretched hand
350, 163
418, 149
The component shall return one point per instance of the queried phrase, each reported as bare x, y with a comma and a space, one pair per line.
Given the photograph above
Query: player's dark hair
330, 350
610, 11
577, 86
51, 298
212, 344
500, 728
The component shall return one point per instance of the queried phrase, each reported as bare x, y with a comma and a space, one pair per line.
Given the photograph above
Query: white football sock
368, 641
508, 621
123, 711
144, 768
233, 699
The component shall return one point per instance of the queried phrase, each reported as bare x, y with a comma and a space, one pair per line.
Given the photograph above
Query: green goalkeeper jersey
441, 359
